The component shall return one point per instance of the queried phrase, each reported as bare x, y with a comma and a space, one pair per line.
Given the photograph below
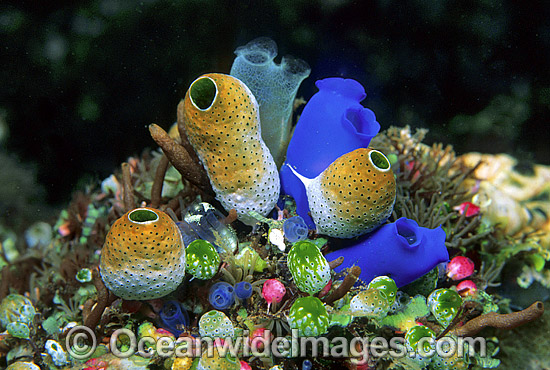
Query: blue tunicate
274, 87
307, 365
221, 295
243, 290
174, 317
295, 229
401, 250
332, 124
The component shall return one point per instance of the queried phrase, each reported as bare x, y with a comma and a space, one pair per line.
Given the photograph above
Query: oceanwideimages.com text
81, 343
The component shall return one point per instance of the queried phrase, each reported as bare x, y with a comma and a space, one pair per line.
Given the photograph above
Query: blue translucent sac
307, 365
243, 290
174, 317
401, 250
274, 87
187, 233
204, 221
221, 295
332, 124
295, 229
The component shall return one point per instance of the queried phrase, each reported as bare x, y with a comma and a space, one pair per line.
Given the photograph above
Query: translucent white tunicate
274, 87
205, 221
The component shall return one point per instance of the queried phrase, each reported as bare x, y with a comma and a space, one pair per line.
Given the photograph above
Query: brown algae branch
183, 133
347, 284
337, 262
500, 321
128, 189
93, 313
180, 158
156, 190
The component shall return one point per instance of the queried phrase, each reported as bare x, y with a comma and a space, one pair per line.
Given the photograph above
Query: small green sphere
308, 266
309, 316
386, 285
444, 305
371, 303
216, 324
202, 259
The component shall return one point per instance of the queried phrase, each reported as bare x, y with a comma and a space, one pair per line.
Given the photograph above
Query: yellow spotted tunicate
222, 123
353, 196
143, 256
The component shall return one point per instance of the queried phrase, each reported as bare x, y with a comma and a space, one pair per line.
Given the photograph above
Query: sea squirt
353, 196
274, 87
222, 123
401, 250
332, 124
143, 256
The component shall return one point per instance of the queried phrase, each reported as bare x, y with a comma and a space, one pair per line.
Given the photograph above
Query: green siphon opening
143, 215
203, 92
379, 160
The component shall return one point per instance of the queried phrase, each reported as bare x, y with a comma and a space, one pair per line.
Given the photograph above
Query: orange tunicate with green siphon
143, 256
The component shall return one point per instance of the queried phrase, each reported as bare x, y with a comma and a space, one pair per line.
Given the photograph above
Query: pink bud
460, 268
466, 287
470, 208
273, 291
245, 366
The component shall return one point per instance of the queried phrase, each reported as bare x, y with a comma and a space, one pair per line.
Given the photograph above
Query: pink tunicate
466, 287
245, 366
460, 268
273, 291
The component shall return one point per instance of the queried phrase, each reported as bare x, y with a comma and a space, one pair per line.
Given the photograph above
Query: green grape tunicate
308, 267
215, 324
444, 305
202, 259
449, 356
420, 343
386, 285
370, 303
309, 316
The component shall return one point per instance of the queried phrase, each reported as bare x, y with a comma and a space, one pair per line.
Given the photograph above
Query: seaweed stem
337, 262
104, 299
346, 285
156, 190
181, 159
230, 218
128, 189
183, 133
500, 321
